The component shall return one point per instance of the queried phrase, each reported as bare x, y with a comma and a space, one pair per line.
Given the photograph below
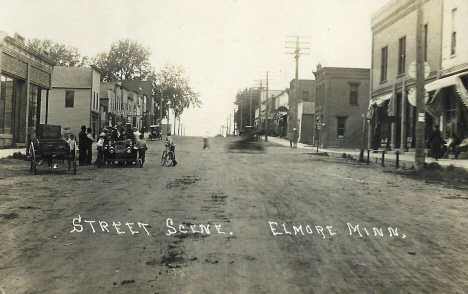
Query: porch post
403, 116
393, 124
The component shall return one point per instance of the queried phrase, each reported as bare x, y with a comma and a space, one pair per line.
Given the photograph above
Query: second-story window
70, 99
305, 95
383, 65
353, 93
401, 55
453, 50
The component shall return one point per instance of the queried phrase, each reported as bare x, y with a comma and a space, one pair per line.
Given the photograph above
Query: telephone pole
266, 122
420, 104
250, 120
267, 125
234, 122
295, 95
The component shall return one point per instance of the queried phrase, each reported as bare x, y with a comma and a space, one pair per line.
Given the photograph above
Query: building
74, 98
341, 103
260, 112
25, 85
110, 103
392, 109
302, 110
448, 107
280, 108
142, 113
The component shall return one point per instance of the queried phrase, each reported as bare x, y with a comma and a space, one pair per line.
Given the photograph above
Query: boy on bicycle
172, 147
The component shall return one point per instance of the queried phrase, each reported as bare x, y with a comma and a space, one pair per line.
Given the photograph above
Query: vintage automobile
248, 144
155, 133
121, 152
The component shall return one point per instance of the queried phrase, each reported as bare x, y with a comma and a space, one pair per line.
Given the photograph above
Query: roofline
31, 51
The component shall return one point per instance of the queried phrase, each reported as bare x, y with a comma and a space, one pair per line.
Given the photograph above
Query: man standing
89, 146
82, 145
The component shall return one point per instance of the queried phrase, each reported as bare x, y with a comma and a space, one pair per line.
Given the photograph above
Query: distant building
280, 107
141, 112
261, 115
110, 101
393, 108
25, 84
341, 102
302, 110
74, 99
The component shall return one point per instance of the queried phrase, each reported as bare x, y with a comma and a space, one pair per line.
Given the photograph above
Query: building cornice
25, 59
30, 51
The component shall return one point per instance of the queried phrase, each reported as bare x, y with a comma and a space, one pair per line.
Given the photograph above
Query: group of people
115, 133
442, 149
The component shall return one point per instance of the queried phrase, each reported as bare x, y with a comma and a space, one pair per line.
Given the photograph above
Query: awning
449, 82
443, 83
282, 109
379, 102
435, 107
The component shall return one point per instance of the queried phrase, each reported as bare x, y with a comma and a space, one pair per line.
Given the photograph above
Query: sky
224, 46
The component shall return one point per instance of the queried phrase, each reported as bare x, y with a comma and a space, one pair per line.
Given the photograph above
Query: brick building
24, 75
342, 100
392, 110
449, 104
302, 110
74, 98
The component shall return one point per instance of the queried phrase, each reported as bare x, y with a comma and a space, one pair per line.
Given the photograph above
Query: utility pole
250, 112
421, 123
260, 107
234, 122
266, 110
295, 97
230, 124
240, 106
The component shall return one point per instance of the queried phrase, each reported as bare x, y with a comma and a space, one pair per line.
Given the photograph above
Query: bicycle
168, 155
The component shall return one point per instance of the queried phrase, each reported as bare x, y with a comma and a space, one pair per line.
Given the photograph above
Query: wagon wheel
32, 153
169, 157
163, 158
74, 159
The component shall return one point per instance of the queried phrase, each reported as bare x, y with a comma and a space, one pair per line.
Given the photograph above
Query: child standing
142, 147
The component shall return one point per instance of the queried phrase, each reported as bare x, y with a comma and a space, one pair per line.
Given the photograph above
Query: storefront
449, 104
24, 76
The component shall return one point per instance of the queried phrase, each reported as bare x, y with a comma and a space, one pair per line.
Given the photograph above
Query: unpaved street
250, 195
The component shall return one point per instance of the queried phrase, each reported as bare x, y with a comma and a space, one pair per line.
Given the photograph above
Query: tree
126, 60
174, 86
60, 53
243, 102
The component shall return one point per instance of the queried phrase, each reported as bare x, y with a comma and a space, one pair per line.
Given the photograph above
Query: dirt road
65, 233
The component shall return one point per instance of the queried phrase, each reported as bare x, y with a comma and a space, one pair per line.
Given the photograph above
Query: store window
6, 104
450, 115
